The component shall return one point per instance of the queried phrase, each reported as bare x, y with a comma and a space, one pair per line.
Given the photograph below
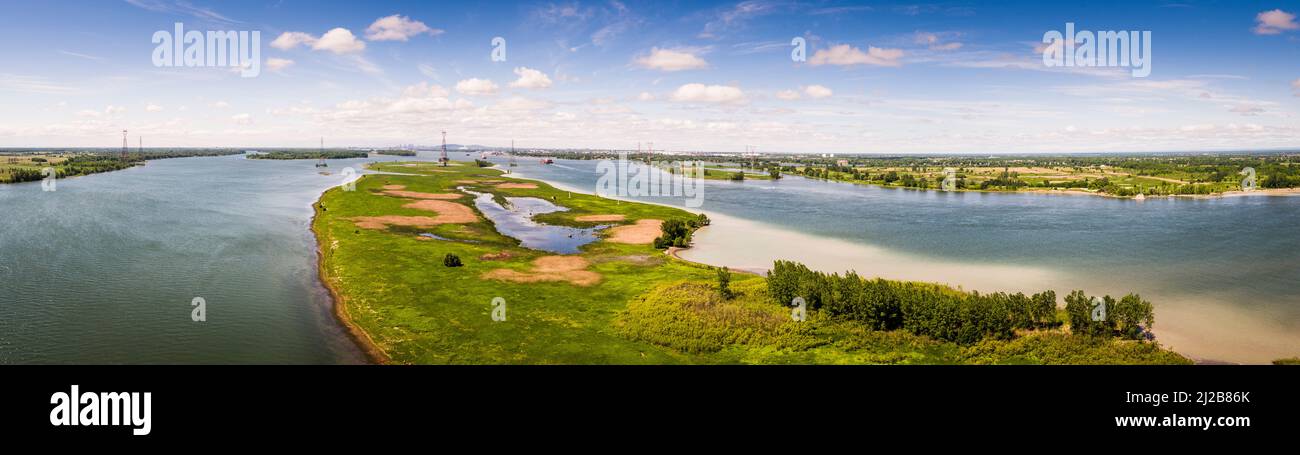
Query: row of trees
73, 166
1130, 317
943, 313
86, 163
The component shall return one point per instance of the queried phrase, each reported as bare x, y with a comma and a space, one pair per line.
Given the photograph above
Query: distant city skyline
879, 77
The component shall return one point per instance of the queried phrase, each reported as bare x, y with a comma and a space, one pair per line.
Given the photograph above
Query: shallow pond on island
516, 220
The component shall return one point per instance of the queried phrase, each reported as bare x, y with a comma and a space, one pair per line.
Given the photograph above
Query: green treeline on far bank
29, 166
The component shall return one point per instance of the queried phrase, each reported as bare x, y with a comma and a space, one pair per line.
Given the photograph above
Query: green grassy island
421, 275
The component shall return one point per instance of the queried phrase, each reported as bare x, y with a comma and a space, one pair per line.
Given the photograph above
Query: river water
105, 269
1223, 273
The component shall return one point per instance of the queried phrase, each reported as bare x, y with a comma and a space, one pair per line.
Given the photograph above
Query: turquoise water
104, 269
1224, 273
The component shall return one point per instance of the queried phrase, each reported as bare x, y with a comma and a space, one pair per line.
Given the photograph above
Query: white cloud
518, 103
671, 60
1274, 22
646, 96
398, 28
114, 110
700, 93
277, 64
788, 95
339, 41
530, 78
935, 42
737, 16
290, 40
424, 90
1296, 85
428, 70
817, 91
153, 108
419, 105
844, 54
242, 119
476, 86
220, 105
182, 8
32, 84
1247, 109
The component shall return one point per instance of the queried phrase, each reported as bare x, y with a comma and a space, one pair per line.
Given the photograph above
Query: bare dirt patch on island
397, 191
382, 222
419, 195
599, 218
570, 269
643, 232
448, 212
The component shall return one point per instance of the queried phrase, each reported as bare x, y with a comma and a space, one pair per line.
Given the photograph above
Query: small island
304, 154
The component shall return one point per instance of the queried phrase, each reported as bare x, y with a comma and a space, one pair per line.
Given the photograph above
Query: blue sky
880, 77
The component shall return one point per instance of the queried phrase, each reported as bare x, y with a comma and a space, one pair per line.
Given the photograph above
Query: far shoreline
1077, 192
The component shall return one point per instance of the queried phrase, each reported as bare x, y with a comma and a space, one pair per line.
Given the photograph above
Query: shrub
724, 284
1130, 317
688, 317
451, 260
675, 233
1133, 317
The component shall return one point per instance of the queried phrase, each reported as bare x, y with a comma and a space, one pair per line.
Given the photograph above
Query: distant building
842, 163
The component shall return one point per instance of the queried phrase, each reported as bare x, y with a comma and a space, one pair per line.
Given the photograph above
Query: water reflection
516, 220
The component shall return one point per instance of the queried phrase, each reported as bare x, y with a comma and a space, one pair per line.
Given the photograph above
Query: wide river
105, 268
1223, 273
